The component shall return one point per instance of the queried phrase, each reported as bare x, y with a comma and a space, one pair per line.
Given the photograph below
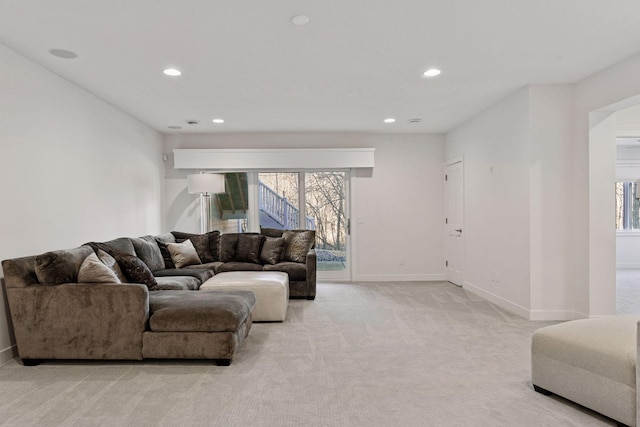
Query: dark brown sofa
55, 315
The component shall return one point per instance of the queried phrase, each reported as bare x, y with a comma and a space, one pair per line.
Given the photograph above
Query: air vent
414, 120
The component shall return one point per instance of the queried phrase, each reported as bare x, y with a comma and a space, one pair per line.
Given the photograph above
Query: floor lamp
205, 184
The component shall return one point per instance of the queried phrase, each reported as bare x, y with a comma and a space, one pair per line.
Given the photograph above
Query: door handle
459, 230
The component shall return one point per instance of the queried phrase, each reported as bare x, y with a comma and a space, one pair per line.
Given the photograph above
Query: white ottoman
270, 287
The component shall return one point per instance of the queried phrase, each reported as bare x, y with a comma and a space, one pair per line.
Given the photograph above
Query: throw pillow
110, 262
57, 267
206, 244
162, 241
148, 251
248, 249
135, 270
183, 254
272, 250
92, 270
297, 245
228, 245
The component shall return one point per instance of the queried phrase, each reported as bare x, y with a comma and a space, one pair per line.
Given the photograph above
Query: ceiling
354, 64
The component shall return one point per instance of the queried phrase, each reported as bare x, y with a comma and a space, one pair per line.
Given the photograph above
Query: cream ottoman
270, 287
591, 362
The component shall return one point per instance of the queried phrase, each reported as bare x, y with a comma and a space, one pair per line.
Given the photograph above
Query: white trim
535, 315
399, 278
628, 266
269, 159
8, 354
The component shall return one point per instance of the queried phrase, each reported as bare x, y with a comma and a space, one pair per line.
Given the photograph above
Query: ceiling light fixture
431, 72
389, 120
172, 72
218, 121
300, 19
62, 53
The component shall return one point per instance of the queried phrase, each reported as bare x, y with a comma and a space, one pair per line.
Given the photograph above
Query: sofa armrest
311, 274
79, 320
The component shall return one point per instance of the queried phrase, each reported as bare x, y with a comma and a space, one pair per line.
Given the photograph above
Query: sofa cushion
249, 247
183, 254
111, 262
148, 251
199, 272
162, 241
62, 266
177, 311
238, 266
297, 271
207, 245
271, 232
297, 244
271, 250
178, 283
121, 245
135, 270
92, 270
228, 245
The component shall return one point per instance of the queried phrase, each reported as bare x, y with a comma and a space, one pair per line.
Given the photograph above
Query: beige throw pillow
183, 254
92, 270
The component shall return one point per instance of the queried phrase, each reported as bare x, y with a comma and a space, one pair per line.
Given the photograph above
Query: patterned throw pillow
92, 270
135, 270
183, 254
297, 245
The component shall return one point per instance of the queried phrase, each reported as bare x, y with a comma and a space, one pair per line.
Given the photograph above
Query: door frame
459, 280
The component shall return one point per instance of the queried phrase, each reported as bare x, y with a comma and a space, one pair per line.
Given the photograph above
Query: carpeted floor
369, 354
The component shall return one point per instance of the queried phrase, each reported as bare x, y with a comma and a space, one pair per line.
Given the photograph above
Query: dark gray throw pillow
228, 245
148, 251
135, 270
272, 250
297, 245
249, 247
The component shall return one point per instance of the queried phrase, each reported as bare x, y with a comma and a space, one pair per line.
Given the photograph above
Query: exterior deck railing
279, 208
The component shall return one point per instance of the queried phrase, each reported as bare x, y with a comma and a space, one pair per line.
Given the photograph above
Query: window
627, 206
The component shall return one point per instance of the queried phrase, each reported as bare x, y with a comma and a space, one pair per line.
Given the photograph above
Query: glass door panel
327, 212
278, 200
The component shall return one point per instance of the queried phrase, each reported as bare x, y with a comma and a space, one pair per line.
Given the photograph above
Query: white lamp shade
212, 183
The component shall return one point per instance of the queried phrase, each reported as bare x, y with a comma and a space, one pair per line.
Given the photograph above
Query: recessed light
218, 121
173, 72
431, 72
389, 120
192, 121
300, 19
62, 53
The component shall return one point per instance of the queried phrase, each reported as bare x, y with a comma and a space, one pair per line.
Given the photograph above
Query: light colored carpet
368, 354
627, 291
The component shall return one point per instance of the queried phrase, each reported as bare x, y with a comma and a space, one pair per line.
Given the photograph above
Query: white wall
592, 262
515, 200
73, 168
396, 211
494, 145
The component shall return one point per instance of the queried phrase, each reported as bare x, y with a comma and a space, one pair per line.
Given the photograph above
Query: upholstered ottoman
591, 362
270, 287
194, 325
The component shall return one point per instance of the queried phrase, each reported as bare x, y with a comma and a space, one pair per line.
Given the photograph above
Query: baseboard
497, 300
628, 266
8, 354
399, 277
536, 315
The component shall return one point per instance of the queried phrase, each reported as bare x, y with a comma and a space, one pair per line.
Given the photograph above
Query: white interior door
454, 231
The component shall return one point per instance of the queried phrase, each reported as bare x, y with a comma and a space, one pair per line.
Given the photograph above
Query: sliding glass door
315, 201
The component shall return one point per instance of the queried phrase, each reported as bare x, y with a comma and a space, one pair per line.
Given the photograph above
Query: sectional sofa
129, 298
